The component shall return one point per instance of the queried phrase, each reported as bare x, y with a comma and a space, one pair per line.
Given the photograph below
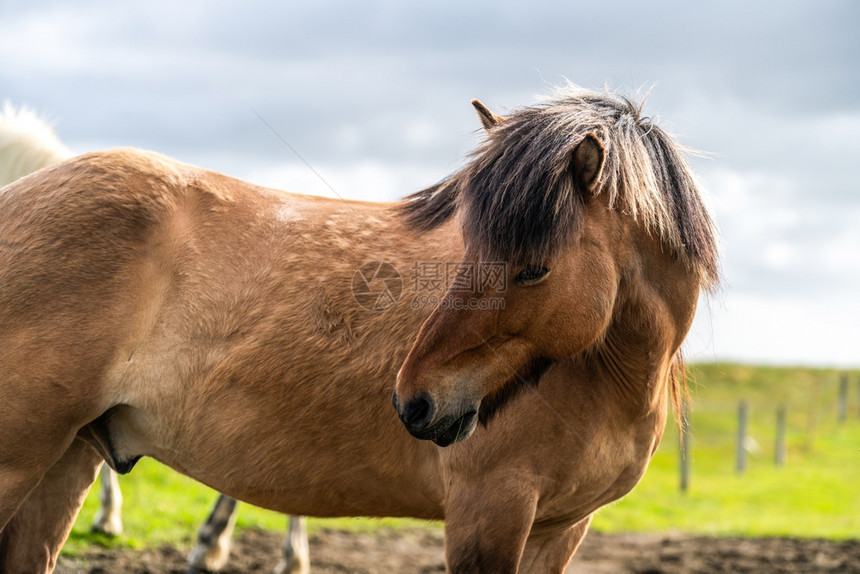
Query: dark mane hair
517, 201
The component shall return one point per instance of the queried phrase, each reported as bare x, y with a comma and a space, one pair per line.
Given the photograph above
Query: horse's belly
308, 469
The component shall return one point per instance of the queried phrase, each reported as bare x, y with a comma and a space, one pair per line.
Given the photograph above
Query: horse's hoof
296, 566
107, 527
204, 559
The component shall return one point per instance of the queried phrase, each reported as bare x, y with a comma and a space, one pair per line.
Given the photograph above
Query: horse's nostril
418, 413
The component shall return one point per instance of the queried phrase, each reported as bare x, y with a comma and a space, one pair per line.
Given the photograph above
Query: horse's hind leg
108, 519
295, 555
212, 550
550, 552
32, 539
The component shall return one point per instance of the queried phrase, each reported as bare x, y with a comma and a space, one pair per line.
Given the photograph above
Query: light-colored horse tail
27, 143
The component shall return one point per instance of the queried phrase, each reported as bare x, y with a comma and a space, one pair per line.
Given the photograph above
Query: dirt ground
421, 552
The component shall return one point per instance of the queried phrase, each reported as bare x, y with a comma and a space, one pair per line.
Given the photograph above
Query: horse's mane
518, 202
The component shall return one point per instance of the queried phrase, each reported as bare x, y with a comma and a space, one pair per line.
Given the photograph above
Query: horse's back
88, 202
82, 223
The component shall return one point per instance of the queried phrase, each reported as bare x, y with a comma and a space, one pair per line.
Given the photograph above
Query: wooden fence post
842, 409
741, 459
780, 450
685, 444
812, 419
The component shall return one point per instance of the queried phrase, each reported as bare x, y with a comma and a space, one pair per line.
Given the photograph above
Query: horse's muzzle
417, 416
417, 413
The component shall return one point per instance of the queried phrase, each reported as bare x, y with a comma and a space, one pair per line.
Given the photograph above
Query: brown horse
151, 308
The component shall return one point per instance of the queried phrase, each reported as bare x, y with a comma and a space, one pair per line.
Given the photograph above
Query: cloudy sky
374, 95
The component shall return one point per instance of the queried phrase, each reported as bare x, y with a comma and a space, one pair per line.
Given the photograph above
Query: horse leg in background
108, 519
212, 550
48, 512
550, 552
295, 556
214, 541
486, 525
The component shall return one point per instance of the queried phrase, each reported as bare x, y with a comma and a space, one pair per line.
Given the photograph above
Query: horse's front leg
487, 525
549, 552
295, 555
212, 550
108, 519
31, 540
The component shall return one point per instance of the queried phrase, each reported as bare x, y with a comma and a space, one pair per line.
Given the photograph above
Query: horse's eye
531, 274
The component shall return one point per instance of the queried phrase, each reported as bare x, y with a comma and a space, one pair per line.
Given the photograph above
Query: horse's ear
488, 118
588, 158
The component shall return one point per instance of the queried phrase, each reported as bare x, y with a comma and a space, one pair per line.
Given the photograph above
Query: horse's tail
27, 144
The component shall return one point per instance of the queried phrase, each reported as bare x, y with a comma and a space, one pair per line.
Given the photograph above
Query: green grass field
814, 495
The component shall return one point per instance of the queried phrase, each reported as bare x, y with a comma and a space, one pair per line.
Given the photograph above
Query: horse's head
558, 212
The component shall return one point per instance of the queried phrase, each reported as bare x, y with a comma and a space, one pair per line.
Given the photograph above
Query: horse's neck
639, 350
654, 308
639, 376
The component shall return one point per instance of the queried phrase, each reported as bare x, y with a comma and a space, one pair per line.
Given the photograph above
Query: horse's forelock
518, 201
520, 204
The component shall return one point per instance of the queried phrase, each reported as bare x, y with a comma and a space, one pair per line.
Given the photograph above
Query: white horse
27, 144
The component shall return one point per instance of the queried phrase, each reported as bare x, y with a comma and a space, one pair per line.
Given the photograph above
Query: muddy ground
421, 552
